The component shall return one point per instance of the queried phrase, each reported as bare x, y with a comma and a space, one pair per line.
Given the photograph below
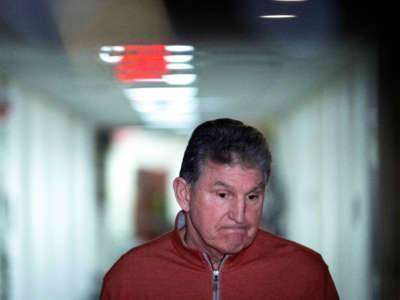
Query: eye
222, 195
253, 197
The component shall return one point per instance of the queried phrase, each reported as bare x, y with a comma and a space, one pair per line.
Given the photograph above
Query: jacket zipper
215, 285
216, 274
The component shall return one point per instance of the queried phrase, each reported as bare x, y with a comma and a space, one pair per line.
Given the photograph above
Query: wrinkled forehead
237, 162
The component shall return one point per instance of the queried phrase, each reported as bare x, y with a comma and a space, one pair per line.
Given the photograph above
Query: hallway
96, 110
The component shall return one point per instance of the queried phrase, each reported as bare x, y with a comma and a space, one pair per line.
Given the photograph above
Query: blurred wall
326, 159
132, 150
50, 190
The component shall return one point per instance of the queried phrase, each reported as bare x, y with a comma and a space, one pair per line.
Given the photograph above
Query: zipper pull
215, 282
215, 275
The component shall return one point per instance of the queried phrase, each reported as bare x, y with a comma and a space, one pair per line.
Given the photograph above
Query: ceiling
246, 66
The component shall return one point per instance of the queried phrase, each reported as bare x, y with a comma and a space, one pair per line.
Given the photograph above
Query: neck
190, 240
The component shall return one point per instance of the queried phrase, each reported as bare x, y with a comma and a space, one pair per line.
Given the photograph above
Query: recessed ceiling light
290, 0
278, 16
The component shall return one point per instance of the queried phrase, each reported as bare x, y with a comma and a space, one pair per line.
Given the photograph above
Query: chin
233, 248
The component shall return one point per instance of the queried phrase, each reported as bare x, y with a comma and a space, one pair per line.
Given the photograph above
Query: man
216, 250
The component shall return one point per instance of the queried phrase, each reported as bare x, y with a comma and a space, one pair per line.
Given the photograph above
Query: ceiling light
179, 48
172, 101
178, 58
166, 106
112, 59
151, 94
105, 54
106, 48
162, 117
172, 79
165, 120
112, 48
179, 66
179, 79
278, 16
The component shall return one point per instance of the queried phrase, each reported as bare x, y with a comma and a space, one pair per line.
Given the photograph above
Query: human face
225, 208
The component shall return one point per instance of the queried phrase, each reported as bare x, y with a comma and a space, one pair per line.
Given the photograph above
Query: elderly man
216, 250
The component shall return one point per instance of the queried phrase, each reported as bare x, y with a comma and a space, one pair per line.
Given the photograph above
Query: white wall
133, 149
50, 187
325, 153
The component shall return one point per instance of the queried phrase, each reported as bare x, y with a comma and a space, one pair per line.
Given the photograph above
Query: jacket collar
195, 257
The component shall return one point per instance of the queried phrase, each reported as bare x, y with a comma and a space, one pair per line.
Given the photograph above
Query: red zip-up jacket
270, 268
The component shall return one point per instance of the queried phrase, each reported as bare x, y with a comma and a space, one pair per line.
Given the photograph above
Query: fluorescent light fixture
165, 107
152, 94
105, 54
173, 101
173, 79
170, 106
179, 48
179, 79
290, 0
179, 66
178, 58
163, 117
111, 59
112, 48
106, 48
278, 16
167, 120
145, 107
119, 48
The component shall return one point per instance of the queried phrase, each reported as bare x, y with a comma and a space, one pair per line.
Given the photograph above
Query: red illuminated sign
142, 62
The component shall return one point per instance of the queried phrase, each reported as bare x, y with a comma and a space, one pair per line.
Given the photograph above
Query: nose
237, 211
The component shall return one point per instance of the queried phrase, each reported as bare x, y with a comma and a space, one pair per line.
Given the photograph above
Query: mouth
234, 228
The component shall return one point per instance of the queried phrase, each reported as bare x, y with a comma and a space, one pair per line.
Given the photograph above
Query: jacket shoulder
286, 248
139, 258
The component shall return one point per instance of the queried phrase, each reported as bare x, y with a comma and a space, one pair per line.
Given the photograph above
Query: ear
182, 193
